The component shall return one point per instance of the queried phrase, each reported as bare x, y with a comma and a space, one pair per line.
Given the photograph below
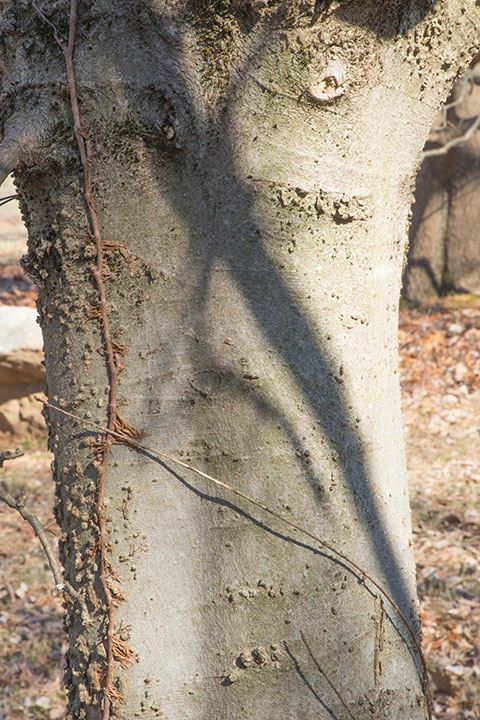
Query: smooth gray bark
257, 303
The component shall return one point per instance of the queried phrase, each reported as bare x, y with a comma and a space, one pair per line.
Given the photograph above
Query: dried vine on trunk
86, 152
362, 574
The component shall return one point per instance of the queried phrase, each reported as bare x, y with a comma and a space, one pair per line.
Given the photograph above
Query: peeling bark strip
87, 157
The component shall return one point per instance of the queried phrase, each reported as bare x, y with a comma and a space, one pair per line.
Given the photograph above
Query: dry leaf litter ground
440, 363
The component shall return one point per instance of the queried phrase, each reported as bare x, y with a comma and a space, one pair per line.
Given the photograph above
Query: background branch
18, 504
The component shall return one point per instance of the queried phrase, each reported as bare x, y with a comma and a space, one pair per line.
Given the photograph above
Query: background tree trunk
255, 160
444, 237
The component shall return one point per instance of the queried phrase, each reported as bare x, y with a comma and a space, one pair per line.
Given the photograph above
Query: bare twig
364, 575
7, 199
18, 504
379, 640
466, 84
45, 19
9, 455
324, 675
466, 135
465, 88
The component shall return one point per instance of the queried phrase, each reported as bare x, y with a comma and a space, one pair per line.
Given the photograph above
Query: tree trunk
444, 247
425, 273
251, 175
463, 245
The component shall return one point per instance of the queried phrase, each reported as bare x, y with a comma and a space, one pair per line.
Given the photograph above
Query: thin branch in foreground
9, 455
163, 457
7, 198
18, 504
379, 639
466, 135
324, 675
60, 42
466, 86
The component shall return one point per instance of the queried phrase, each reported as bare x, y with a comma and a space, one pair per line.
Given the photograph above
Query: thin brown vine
364, 575
86, 152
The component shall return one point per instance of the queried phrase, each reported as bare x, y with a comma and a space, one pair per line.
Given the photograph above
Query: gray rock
22, 373
19, 330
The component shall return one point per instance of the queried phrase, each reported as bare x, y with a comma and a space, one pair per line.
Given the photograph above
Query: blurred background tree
444, 249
